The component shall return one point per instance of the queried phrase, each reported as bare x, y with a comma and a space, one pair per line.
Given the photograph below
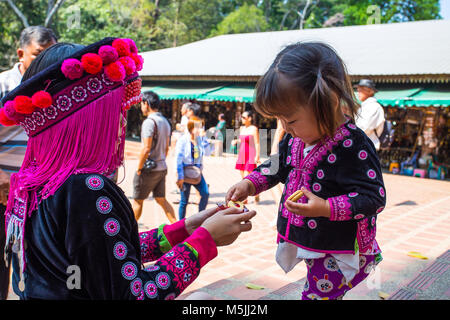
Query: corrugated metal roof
408, 48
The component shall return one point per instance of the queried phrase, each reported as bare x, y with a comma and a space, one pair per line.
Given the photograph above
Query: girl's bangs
274, 97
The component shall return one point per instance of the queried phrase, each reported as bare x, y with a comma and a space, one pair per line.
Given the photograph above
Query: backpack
387, 136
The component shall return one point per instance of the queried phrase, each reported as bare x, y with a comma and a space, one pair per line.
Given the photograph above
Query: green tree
85, 21
357, 12
247, 18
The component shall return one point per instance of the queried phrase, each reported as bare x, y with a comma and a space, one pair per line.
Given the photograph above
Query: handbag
192, 174
150, 164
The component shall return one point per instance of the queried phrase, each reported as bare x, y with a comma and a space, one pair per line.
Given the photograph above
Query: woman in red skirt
248, 157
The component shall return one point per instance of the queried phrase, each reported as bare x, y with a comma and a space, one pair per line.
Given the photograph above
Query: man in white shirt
370, 117
13, 140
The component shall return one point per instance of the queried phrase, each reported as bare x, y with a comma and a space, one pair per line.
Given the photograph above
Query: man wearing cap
370, 117
13, 140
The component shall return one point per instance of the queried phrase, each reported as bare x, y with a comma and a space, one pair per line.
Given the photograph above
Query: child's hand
240, 191
315, 207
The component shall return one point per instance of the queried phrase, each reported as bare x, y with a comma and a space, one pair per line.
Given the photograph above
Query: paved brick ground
416, 218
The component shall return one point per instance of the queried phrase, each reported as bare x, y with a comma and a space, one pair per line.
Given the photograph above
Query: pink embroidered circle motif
150, 289
317, 187
348, 143
104, 205
320, 174
129, 270
136, 287
382, 192
95, 182
332, 158
152, 268
112, 227
265, 171
359, 216
362, 155
351, 126
120, 250
353, 194
163, 280
371, 174
312, 224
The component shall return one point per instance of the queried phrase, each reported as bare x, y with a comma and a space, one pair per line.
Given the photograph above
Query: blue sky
445, 9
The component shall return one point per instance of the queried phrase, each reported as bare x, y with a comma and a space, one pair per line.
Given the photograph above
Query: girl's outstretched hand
315, 207
240, 191
226, 225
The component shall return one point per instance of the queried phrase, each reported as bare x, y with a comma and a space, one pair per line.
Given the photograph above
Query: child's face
302, 124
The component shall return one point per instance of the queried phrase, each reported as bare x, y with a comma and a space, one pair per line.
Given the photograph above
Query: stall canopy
395, 97
181, 91
429, 97
237, 93
419, 97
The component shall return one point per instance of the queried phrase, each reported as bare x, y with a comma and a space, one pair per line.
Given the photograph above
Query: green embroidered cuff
192, 249
164, 244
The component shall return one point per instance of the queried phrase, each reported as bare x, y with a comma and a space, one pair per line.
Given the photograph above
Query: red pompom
108, 54
115, 71
10, 111
4, 120
23, 104
128, 63
72, 69
42, 99
122, 47
92, 63
132, 44
138, 61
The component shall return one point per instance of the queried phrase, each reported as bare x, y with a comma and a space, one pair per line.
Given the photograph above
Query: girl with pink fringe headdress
70, 230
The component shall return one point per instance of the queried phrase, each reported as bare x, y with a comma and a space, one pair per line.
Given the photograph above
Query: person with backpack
370, 117
152, 167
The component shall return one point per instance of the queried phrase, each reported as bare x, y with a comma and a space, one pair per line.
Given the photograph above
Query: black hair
54, 54
152, 99
196, 109
250, 114
39, 34
306, 74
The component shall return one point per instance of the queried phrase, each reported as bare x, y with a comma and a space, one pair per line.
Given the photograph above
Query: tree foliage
158, 24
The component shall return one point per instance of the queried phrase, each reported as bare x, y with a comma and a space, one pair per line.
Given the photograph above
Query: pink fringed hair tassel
89, 141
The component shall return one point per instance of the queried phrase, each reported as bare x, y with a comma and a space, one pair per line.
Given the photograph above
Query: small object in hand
295, 196
236, 204
231, 204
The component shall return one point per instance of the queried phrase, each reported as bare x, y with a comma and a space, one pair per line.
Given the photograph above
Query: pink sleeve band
340, 208
176, 232
204, 244
259, 181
